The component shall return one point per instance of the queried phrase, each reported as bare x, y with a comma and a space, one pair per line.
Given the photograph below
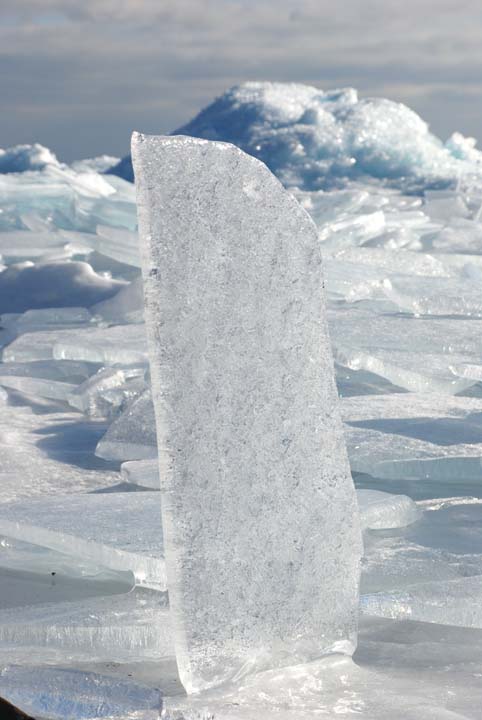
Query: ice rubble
400, 234
313, 139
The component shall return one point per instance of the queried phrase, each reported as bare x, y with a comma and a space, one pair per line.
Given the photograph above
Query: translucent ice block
108, 345
141, 472
132, 436
116, 344
435, 296
38, 386
86, 396
257, 500
386, 261
382, 511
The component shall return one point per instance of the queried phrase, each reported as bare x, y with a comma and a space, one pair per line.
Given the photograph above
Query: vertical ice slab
260, 518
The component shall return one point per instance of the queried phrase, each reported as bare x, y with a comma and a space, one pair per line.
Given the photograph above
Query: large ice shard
262, 536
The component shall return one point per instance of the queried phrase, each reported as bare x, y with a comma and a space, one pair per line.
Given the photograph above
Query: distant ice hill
310, 139
317, 140
30, 158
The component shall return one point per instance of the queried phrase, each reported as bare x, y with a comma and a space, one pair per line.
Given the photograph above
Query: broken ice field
99, 612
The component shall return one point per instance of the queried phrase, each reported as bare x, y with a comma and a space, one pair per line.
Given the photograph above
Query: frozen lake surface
84, 618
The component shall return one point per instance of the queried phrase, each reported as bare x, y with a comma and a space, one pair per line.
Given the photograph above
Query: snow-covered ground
84, 622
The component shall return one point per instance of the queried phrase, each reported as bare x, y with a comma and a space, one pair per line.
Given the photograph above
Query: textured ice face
313, 139
260, 518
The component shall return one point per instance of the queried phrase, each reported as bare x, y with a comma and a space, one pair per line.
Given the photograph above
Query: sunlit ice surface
84, 617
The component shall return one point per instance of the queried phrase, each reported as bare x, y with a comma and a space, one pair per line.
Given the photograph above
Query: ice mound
22, 158
98, 164
27, 286
126, 306
313, 139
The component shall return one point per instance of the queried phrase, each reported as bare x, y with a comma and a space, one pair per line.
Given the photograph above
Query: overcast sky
80, 75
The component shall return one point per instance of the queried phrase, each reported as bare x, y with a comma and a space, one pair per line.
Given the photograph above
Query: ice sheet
444, 545
121, 531
380, 684
48, 450
40, 575
107, 345
450, 602
414, 436
378, 343
64, 694
120, 628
